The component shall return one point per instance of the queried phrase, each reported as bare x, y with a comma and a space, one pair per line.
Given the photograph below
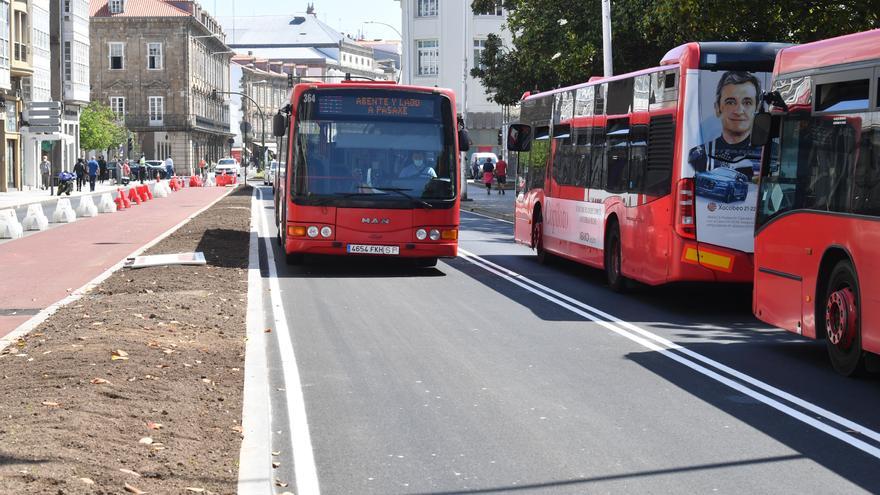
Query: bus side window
597, 162
866, 196
658, 166
582, 173
617, 155
638, 150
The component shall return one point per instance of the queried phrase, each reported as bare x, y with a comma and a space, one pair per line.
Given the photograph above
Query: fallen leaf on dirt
133, 489
280, 483
119, 354
51, 404
162, 366
206, 380
154, 426
47, 352
87, 481
238, 429
268, 330
275, 464
168, 351
276, 453
99, 381
129, 471
195, 490
152, 344
97, 323
138, 315
146, 441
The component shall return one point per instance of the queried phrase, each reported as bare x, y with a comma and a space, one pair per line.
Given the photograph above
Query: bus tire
613, 259
541, 254
842, 320
426, 262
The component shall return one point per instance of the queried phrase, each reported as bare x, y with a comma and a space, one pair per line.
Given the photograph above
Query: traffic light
290, 79
500, 136
130, 144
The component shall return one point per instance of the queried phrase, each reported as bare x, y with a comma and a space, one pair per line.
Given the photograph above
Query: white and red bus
817, 269
649, 175
369, 168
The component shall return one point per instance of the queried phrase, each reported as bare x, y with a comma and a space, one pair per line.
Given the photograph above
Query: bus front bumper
404, 250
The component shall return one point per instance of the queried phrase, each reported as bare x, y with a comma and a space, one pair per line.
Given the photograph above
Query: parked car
227, 166
476, 164
269, 174
724, 184
155, 169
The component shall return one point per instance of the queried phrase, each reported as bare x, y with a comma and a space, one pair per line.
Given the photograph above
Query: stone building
157, 63
16, 64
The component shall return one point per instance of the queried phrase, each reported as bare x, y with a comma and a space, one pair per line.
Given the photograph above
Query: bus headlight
435, 235
326, 232
421, 234
312, 231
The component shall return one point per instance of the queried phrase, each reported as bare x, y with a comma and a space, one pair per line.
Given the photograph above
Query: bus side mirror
761, 129
519, 137
279, 125
464, 140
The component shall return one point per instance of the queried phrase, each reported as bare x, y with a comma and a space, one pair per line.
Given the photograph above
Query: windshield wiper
398, 190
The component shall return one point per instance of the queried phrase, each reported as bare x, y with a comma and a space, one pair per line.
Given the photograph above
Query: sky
346, 16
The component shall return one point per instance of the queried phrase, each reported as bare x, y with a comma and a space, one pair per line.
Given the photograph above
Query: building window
117, 104
154, 56
117, 56
427, 8
497, 10
157, 110
4, 41
67, 61
479, 46
428, 57
66, 6
115, 6
21, 35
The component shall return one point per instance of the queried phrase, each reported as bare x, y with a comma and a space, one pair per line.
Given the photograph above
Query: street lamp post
243, 95
398, 34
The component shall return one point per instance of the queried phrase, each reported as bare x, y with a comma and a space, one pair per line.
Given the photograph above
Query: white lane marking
520, 281
487, 216
255, 460
303, 457
26, 327
844, 422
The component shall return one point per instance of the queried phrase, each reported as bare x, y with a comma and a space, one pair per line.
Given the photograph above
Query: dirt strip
136, 387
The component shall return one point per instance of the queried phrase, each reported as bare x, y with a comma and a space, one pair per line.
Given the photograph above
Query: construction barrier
87, 207
63, 212
149, 193
122, 201
142, 194
107, 205
35, 218
9, 226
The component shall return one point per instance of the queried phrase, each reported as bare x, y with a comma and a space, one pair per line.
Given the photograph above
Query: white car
269, 174
227, 166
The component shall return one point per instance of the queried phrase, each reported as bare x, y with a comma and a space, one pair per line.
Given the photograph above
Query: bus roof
368, 84
835, 51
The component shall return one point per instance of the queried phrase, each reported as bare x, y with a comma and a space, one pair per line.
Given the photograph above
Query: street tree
99, 128
559, 42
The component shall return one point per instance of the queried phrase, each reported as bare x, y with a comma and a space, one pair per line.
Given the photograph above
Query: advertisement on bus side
718, 155
575, 221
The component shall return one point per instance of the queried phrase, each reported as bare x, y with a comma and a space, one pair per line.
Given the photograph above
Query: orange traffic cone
120, 202
125, 202
133, 196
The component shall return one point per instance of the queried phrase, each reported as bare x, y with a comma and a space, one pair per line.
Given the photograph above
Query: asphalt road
494, 374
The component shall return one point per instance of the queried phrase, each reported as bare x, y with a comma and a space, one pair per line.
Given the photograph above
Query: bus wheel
426, 262
538, 242
843, 336
616, 280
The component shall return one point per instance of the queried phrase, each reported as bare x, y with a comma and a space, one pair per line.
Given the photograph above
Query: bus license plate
370, 249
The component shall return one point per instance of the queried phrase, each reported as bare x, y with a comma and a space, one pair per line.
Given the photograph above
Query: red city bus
648, 175
817, 272
368, 168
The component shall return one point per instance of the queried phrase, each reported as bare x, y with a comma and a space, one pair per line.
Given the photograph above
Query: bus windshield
376, 145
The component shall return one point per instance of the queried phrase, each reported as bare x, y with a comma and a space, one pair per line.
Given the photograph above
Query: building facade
162, 66
16, 64
267, 84
442, 42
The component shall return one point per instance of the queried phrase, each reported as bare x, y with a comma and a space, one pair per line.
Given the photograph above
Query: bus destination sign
375, 106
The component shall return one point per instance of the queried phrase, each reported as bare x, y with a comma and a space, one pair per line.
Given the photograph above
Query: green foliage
99, 129
559, 42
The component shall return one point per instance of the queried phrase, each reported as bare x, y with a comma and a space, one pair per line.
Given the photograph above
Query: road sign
43, 116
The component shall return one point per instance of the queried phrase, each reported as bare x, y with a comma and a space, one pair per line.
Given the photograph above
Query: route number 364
309, 98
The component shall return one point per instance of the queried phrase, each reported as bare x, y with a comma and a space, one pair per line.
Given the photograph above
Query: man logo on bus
736, 99
712, 206
374, 221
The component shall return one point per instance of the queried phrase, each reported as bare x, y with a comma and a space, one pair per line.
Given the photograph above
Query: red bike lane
40, 270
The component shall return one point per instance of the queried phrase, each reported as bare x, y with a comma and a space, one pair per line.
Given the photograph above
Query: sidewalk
16, 199
494, 205
41, 269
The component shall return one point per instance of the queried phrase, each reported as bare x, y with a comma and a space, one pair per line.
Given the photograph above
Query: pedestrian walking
142, 167
169, 168
45, 171
125, 173
488, 174
501, 175
79, 169
93, 173
203, 164
102, 169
